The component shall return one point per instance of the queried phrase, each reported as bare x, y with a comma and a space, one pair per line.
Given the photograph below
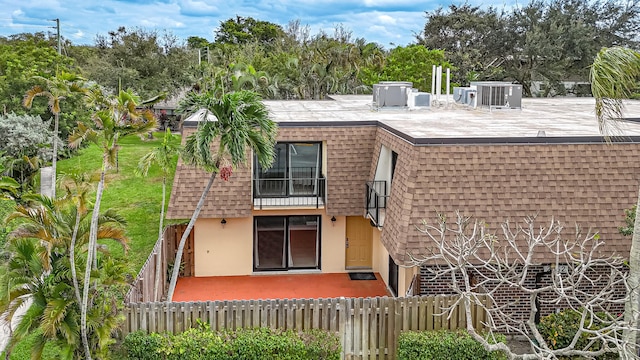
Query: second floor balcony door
304, 163
295, 171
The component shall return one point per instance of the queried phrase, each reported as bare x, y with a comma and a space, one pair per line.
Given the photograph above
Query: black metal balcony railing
293, 191
376, 200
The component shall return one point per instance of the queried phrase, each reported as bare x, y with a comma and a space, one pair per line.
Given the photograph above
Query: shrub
142, 346
442, 345
248, 344
559, 329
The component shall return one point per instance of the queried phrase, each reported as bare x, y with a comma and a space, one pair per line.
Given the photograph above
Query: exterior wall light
223, 222
333, 220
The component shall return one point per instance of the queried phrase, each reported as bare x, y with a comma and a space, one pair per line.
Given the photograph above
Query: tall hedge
249, 344
443, 345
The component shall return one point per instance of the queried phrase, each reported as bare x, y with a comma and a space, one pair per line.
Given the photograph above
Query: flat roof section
556, 117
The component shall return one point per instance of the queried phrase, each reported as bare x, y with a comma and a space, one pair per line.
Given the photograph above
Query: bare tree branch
576, 276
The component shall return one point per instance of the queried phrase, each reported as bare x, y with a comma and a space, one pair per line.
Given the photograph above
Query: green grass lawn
137, 199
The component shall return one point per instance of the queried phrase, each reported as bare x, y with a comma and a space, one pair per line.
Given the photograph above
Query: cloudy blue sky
384, 21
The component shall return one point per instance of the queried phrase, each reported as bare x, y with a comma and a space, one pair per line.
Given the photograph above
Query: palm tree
614, 75
116, 116
78, 195
37, 273
242, 123
55, 90
8, 186
163, 155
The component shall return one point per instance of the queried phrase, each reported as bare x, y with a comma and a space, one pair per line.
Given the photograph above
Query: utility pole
57, 20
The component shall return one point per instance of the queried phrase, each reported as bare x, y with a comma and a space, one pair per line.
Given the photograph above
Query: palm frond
31, 94
614, 75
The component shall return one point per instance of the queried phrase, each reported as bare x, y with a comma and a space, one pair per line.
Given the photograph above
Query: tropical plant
614, 75
37, 276
78, 195
8, 186
116, 116
162, 155
241, 124
54, 90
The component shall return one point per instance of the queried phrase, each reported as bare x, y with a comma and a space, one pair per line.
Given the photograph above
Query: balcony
376, 201
300, 189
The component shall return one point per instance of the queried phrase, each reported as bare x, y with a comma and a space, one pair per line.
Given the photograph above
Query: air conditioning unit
465, 95
458, 94
417, 100
498, 95
391, 93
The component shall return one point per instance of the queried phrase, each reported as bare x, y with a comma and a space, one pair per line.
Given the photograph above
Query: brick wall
516, 302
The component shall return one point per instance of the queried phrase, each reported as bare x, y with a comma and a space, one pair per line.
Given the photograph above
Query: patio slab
297, 286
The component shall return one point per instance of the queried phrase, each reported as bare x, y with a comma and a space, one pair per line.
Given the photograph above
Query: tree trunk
159, 253
72, 257
54, 160
632, 307
91, 253
185, 235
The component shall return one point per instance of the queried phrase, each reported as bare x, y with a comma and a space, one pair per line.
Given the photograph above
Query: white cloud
17, 13
78, 34
197, 8
386, 19
376, 3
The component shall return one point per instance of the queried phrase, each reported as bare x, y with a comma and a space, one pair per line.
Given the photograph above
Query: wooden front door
359, 241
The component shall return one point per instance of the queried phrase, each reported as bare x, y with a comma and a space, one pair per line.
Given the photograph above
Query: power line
18, 26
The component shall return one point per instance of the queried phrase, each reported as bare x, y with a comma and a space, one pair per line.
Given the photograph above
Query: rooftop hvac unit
465, 95
418, 100
458, 94
499, 95
391, 93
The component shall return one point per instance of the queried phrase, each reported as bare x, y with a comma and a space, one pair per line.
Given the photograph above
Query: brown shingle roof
588, 184
349, 151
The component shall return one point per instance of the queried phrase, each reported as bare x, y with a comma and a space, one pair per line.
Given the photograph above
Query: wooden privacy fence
368, 327
163, 253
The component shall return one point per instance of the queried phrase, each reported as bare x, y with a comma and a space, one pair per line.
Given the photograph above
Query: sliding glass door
295, 171
286, 242
304, 161
270, 239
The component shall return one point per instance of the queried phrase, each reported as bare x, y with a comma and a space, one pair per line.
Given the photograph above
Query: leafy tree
22, 57
37, 275
55, 90
197, 42
243, 30
548, 41
629, 219
145, 61
162, 155
117, 116
474, 40
297, 66
242, 123
23, 140
614, 74
411, 63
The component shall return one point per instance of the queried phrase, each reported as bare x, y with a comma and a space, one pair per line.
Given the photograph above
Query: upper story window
296, 171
